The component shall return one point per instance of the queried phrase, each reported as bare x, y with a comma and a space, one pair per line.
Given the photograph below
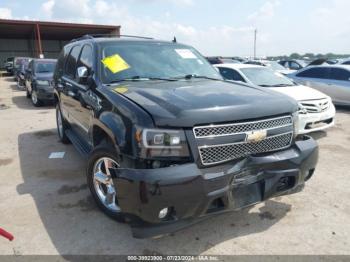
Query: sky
214, 27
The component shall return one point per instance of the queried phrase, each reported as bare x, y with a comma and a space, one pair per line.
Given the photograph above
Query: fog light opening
309, 175
164, 213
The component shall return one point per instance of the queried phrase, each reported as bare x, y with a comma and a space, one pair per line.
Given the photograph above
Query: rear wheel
103, 161
61, 126
35, 100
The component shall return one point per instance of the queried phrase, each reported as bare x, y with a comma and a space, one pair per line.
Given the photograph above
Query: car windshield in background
45, 67
275, 66
147, 61
21, 61
266, 77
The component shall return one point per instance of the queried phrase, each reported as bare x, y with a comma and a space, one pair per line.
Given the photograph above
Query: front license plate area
246, 195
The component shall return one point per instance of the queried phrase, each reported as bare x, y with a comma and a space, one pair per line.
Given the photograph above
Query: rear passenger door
315, 77
339, 85
69, 102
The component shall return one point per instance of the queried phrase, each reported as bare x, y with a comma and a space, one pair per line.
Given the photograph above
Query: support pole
255, 33
40, 55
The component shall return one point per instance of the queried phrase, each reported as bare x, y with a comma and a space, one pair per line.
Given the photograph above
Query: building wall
27, 48
15, 47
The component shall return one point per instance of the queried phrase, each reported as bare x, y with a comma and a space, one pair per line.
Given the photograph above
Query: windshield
45, 67
21, 61
266, 77
275, 66
152, 60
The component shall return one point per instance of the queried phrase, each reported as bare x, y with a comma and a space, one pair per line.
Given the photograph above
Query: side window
230, 74
86, 58
317, 72
294, 66
346, 63
60, 64
339, 74
71, 62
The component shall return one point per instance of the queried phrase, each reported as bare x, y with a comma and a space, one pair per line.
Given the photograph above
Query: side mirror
82, 73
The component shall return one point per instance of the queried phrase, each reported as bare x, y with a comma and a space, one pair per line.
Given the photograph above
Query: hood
300, 92
44, 76
194, 102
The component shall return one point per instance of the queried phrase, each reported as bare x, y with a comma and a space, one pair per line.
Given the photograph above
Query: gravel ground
45, 202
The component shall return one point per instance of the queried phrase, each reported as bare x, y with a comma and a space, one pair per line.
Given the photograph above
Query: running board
82, 148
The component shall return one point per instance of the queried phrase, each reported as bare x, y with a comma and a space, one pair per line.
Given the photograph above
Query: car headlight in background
296, 123
42, 82
162, 143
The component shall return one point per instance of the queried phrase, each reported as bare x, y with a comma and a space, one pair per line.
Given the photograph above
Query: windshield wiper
277, 85
140, 78
190, 76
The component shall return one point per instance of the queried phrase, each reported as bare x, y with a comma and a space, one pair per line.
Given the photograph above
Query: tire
61, 126
98, 189
35, 100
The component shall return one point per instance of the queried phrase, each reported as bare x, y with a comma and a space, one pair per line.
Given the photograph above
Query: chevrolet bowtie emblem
256, 136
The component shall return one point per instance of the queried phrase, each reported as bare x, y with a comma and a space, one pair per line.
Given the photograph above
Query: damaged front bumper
192, 194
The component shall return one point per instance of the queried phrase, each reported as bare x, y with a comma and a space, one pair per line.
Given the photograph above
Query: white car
316, 112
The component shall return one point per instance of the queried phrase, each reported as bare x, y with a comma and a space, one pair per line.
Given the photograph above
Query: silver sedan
332, 80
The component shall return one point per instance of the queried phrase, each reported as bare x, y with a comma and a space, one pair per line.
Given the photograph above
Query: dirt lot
45, 202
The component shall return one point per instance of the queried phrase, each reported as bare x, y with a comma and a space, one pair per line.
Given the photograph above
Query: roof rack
92, 36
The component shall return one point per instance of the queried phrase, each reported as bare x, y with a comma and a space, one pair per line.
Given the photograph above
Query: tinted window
86, 58
315, 73
230, 74
339, 74
72, 61
60, 64
294, 66
346, 63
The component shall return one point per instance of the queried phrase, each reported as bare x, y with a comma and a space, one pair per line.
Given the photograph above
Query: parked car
346, 62
316, 110
9, 65
333, 80
221, 60
38, 81
21, 72
275, 66
293, 64
168, 141
18, 64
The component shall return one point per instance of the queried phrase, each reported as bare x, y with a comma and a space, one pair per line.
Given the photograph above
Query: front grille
238, 128
221, 153
316, 106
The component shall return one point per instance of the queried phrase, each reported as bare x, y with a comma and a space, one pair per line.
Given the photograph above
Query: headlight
296, 123
162, 143
42, 82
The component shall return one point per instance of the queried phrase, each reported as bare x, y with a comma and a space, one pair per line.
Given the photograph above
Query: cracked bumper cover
193, 194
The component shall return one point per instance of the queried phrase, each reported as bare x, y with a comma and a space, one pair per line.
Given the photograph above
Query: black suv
38, 81
168, 141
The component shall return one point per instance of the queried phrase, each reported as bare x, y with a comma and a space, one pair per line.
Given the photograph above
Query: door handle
69, 84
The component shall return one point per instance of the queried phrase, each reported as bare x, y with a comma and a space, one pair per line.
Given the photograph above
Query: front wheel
35, 100
103, 161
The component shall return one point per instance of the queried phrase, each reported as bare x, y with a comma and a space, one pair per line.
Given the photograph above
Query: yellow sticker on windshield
121, 89
115, 63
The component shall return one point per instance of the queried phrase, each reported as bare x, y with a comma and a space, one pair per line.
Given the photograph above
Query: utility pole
255, 33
